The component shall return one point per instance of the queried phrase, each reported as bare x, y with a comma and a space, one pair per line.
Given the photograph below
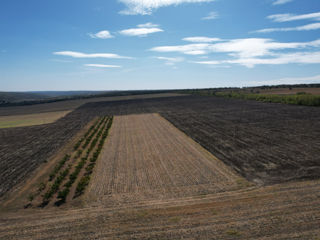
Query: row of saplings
84, 181
97, 133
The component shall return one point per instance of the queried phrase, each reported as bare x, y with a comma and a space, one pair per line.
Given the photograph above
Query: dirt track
145, 157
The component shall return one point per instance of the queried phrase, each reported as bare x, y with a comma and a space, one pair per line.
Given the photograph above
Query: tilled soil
265, 143
145, 158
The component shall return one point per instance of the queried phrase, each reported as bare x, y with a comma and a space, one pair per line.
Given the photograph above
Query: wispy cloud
276, 59
308, 27
287, 17
102, 35
147, 25
250, 51
201, 39
145, 7
280, 2
171, 60
190, 49
89, 55
211, 16
248, 47
141, 32
102, 66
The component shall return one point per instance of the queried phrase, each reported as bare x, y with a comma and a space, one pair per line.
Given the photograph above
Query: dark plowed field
266, 143
23, 149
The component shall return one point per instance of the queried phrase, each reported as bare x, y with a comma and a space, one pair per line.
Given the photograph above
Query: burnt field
266, 143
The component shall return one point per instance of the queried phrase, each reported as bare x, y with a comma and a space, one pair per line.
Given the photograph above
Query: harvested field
30, 119
153, 182
145, 157
266, 143
287, 211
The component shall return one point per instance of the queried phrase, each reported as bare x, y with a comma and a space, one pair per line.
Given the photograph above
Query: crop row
77, 145
84, 181
79, 166
62, 195
60, 172
89, 138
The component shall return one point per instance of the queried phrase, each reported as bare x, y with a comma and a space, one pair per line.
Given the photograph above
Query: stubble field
257, 179
146, 158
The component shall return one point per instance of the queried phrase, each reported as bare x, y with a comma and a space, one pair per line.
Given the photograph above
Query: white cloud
287, 17
190, 49
145, 7
148, 25
210, 16
280, 2
201, 39
250, 52
241, 48
284, 58
171, 60
89, 55
308, 27
277, 59
141, 32
102, 66
102, 35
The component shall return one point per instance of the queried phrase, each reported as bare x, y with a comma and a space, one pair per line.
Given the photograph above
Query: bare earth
153, 182
30, 119
145, 157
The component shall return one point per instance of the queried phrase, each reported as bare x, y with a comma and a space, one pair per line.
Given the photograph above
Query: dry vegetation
30, 119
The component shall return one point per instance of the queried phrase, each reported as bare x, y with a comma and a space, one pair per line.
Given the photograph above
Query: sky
157, 44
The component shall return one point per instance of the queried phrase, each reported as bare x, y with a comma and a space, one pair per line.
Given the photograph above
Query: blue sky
158, 44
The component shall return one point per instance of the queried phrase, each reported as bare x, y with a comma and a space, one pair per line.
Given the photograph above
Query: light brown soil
30, 119
145, 157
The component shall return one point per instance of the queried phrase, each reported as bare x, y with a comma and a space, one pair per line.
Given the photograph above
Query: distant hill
39, 97
54, 94
20, 96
